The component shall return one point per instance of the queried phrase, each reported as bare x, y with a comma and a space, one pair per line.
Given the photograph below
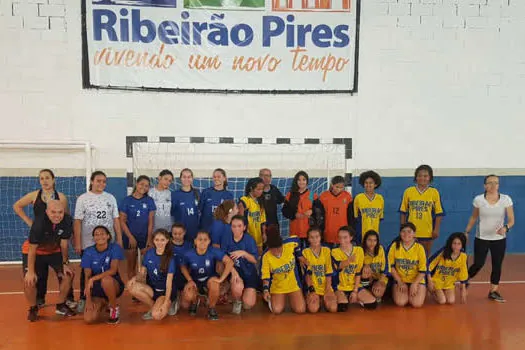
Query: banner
222, 45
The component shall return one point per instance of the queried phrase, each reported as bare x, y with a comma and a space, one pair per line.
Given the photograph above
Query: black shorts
44, 262
98, 292
202, 287
141, 242
160, 293
249, 281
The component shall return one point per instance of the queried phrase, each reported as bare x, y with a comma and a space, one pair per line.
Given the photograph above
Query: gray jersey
94, 210
162, 200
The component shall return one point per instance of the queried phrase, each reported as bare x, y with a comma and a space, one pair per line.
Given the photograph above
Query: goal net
242, 162
20, 164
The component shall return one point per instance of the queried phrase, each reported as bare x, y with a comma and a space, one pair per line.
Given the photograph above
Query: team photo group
188, 246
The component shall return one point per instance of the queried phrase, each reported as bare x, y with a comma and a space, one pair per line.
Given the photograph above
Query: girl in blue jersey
185, 204
103, 284
180, 247
212, 197
200, 270
136, 219
244, 280
222, 221
154, 284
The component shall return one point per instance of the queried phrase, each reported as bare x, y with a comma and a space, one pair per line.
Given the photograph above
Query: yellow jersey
378, 265
420, 208
256, 218
446, 272
409, 263
319, 267
345, 279
282, 272
368, 212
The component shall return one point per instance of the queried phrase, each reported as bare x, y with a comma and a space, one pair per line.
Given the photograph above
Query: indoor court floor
480, 324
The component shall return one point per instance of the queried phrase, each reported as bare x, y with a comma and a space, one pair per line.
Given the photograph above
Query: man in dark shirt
272, 197
48, 247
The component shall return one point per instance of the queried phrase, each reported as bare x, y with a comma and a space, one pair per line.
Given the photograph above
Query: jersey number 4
101, 214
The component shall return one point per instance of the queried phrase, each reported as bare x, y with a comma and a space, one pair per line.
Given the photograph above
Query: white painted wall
441, 81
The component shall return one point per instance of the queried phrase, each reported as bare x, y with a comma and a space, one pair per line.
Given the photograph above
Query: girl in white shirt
491, 208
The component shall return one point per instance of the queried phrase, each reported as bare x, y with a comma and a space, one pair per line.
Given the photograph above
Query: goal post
20, 163
242, 159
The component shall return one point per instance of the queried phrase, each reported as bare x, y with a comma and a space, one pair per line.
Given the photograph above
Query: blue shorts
160, 293
249, 281
98, 292
141, 242
179, 282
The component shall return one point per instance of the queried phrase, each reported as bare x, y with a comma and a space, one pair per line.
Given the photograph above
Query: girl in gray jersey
94, 208
161, 194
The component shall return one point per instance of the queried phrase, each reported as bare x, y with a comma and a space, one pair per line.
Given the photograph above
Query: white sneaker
174, 307
147, 316
237, 307
71, 304
81, 305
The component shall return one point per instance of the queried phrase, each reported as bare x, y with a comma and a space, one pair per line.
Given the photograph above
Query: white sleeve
115, 207
80, 208
476, 202
508, 201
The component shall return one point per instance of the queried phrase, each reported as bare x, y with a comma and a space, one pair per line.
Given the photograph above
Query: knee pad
370, 306
342, 307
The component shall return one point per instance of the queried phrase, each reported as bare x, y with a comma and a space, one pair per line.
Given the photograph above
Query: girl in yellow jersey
319, 272
250, 206
421, 205
280, 274
348, 264
408, 266
375, 269
448, 267
369, 206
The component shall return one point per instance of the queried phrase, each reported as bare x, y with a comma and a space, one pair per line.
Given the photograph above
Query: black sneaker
193, 308
40, 303
32, 316
496, 297
114, 315
212, 314
64, 310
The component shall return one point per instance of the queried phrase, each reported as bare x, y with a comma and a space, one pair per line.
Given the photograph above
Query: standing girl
490, 210
448, 267
244, 280
39, 199
421, 206
161, 194
318, 274
279, 267
408, 266
369, 206
154, 284
348, 265
212, 197
298, 206
185, 204
94, 208
375, 268
136, 218
102, 279
250, 206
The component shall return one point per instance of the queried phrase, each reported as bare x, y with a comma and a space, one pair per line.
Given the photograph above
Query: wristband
507, 227
311, 289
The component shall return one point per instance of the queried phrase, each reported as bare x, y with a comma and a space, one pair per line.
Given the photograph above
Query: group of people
186, 244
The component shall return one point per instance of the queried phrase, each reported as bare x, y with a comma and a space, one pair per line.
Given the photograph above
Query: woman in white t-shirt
491, 208
94, 208
161, 194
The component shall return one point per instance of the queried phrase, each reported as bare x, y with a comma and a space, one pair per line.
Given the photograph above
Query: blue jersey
185, 209
210, 200
156, 278
202, 267
137, 212
178, 253
218, 230
100, 262
247, 243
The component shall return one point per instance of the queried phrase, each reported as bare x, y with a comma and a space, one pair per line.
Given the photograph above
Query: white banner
240, 45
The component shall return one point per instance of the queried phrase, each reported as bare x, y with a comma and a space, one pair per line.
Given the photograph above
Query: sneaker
71, 304
496, 297
174, 307
212, 314
64, 310
40, 303
379, 300
193, 308
147, 316
81, 305
32, 316
114, 315
237, 307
